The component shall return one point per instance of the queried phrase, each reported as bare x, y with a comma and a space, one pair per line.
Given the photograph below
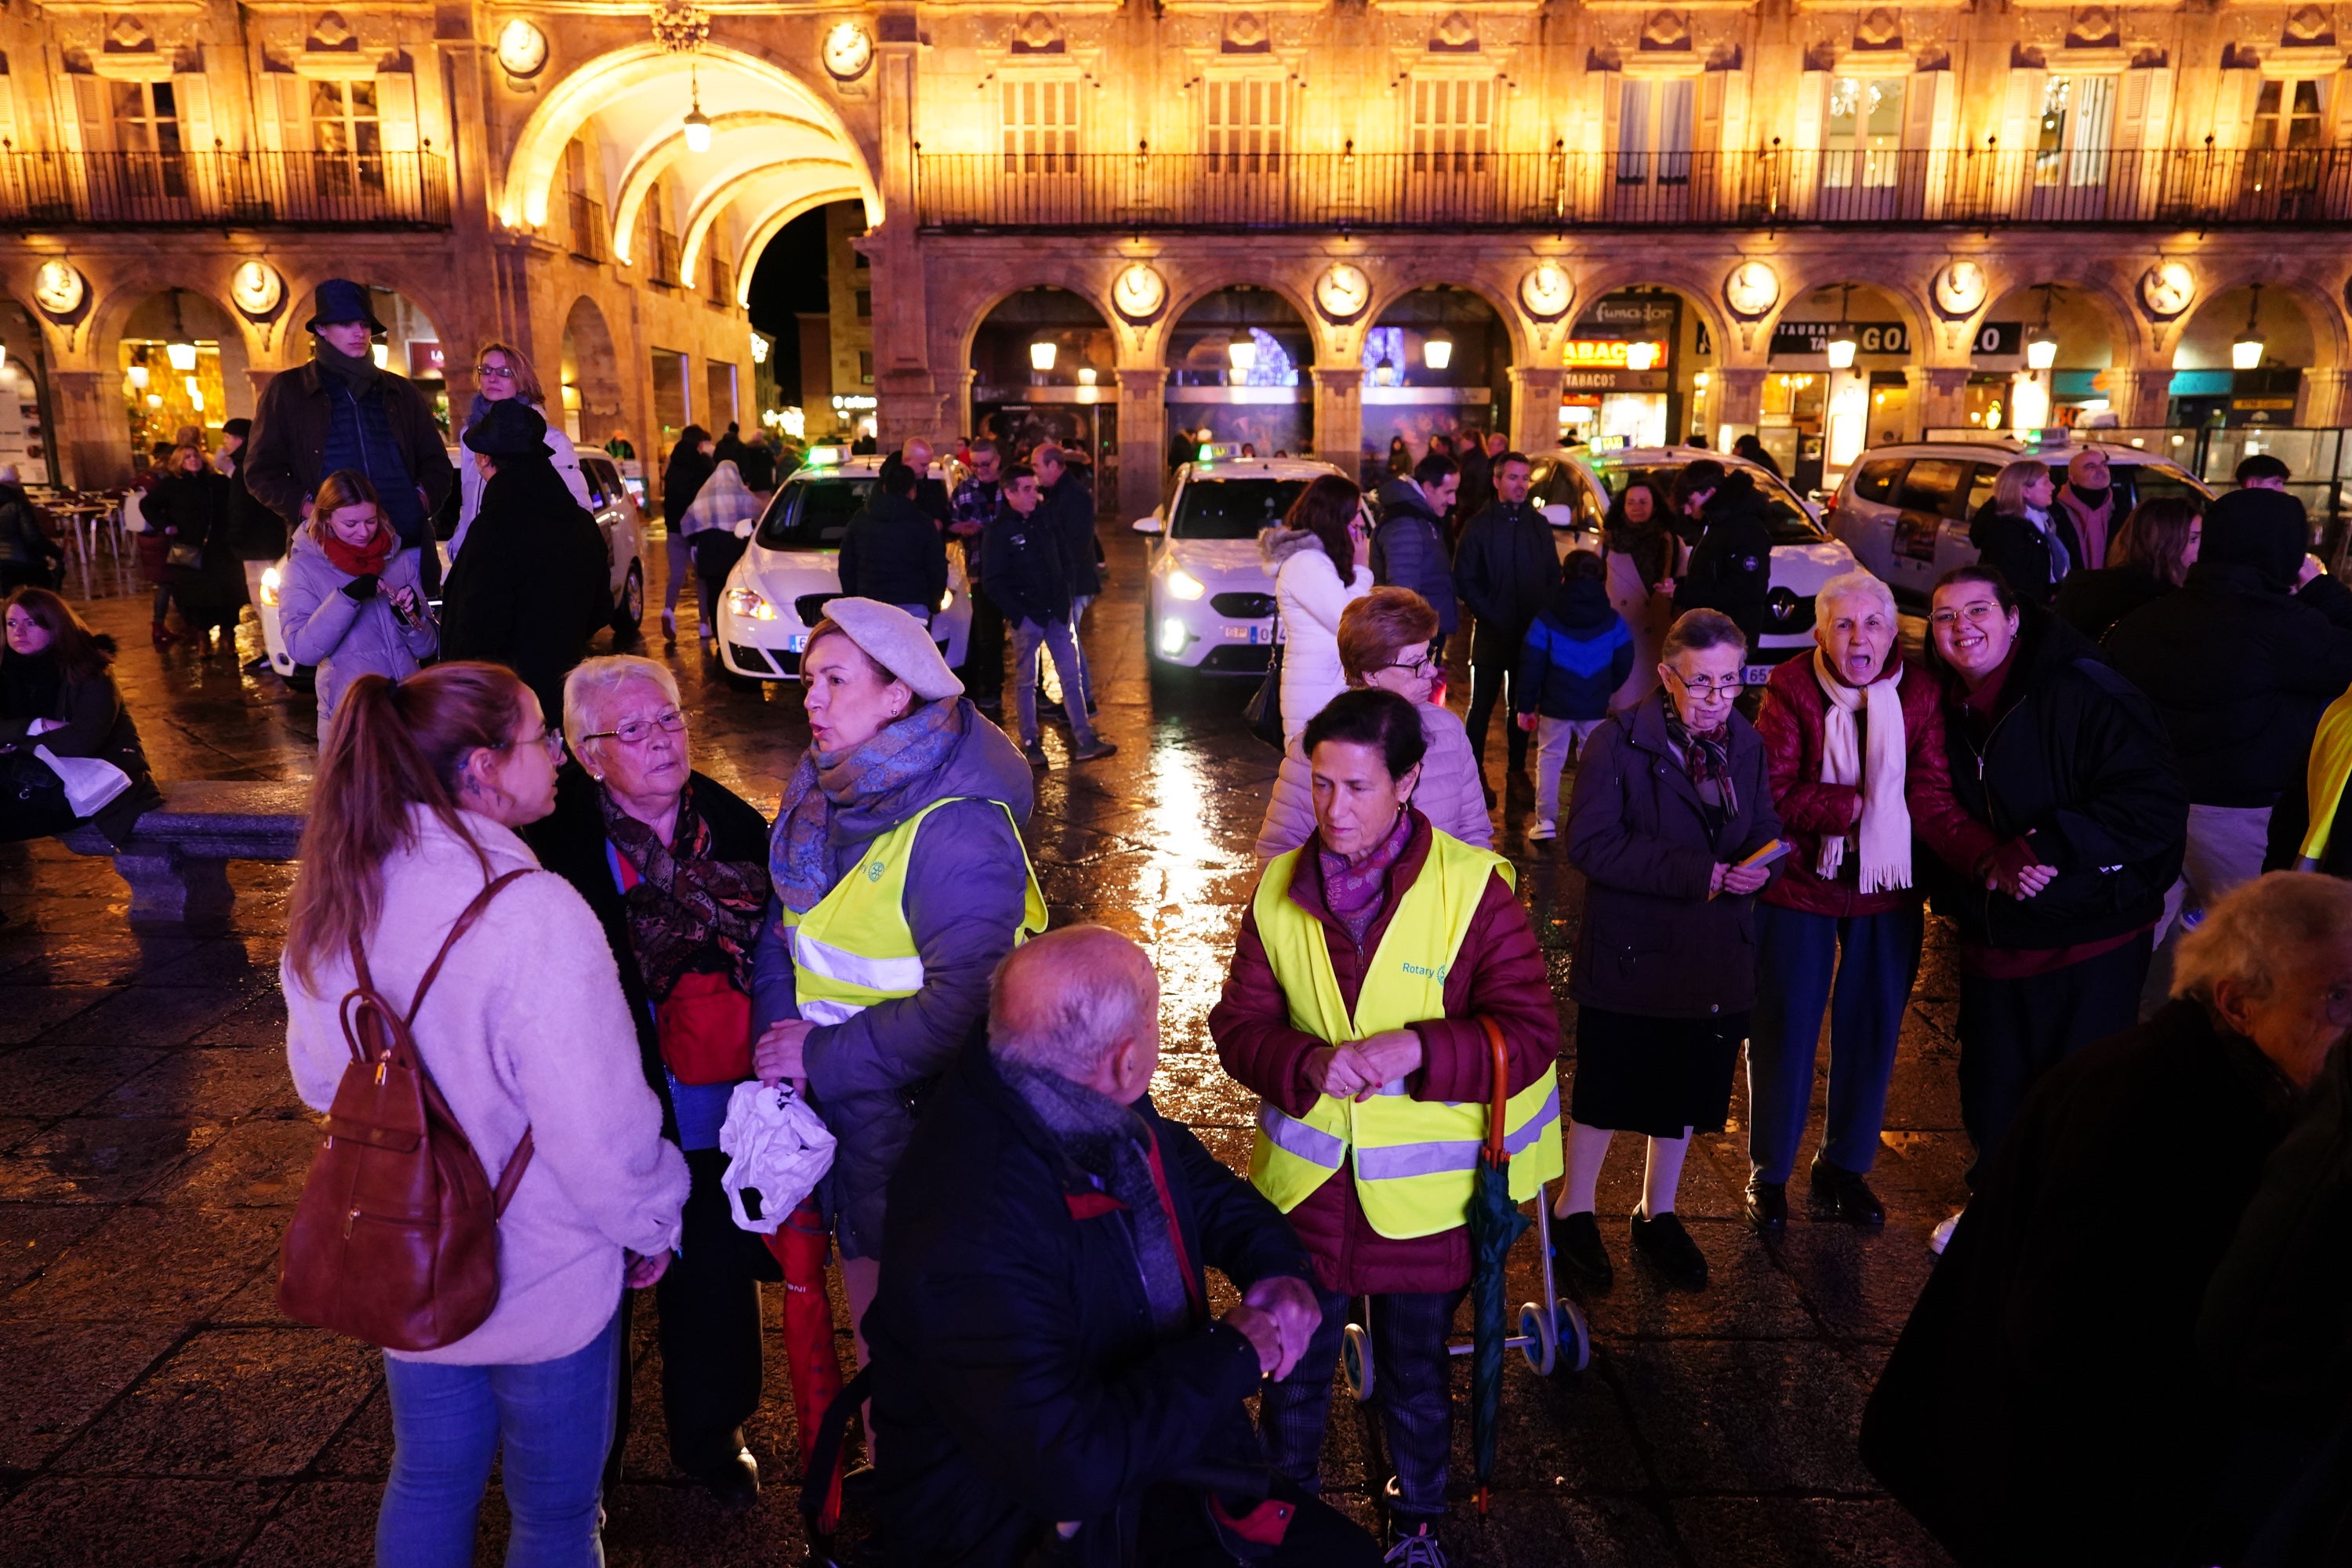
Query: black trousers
1176, 1533
2013, 1031
983, 663
710, 1304
1494, 667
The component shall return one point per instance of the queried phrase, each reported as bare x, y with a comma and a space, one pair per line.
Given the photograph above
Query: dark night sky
790, 277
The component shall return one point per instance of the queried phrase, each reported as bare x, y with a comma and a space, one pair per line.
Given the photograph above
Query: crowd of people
2141, 741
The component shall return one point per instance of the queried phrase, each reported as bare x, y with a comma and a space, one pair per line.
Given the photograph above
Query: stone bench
177, 861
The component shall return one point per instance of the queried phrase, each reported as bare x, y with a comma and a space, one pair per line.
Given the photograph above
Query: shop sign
1794, 340
1606, 351
1628, 316
2263, 404
1614, 379
847, 402
424, 361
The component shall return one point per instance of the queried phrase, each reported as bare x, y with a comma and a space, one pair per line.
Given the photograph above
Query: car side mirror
1149, 524
1558, 516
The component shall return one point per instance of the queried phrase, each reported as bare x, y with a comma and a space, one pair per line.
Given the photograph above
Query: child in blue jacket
1578, 653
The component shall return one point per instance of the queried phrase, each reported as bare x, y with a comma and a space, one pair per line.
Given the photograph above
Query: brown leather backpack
395, 1240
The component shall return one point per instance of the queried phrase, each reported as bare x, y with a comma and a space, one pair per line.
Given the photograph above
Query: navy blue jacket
893, 551
1576, 655
1025, 565
1409, 551
1018, 1377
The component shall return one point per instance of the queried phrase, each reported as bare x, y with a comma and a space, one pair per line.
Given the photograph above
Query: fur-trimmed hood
1280, 543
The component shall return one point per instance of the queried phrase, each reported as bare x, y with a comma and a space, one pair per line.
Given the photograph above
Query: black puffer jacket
1071, 505
2240, 672
1409, 551
893, 551
1025, 567
2093, 602
1017, 1378
1731, 566
2078, 758
1505, 571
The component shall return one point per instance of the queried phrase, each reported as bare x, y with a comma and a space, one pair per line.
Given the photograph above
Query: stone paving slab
160, 1410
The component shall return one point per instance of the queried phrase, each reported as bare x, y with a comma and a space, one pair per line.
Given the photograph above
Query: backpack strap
464, 924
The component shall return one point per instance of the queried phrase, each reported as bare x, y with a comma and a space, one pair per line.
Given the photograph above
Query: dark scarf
1108, 1143
31, 686
359, 373
1707, 756
689, 913
902, 761
1356, 894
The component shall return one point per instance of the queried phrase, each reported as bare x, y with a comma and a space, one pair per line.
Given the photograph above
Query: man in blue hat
341, 411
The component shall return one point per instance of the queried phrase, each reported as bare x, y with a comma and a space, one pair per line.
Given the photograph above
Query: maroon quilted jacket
1790, 723
1500, 975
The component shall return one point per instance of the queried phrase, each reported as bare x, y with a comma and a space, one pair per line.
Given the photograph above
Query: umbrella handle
1500, 1110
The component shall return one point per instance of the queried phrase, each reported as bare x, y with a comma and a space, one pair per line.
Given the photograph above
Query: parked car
1209, 599
1905, 510
792, 570
1574, 487
617, 519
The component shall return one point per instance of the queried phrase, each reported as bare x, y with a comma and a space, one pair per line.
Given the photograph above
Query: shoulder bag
395, 1239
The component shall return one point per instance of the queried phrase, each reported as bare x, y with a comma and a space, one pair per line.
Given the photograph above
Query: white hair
1856, 584
593, 683
1088, 1007
2264, 922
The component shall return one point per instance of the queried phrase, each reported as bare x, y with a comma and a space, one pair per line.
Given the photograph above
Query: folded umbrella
1495, 1223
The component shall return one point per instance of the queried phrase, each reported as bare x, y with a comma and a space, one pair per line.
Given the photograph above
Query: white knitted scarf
1886, 828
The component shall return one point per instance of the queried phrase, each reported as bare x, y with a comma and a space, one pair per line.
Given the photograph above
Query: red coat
1790, 723
1500, 974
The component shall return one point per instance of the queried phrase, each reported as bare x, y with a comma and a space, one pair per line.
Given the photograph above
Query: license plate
796, 643
1256, 636
1756, 674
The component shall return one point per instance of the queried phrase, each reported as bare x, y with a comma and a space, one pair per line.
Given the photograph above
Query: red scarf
362, 560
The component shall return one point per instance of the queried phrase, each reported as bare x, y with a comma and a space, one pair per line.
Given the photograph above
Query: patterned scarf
685, 903
1356, 894
899, 761
1707, 756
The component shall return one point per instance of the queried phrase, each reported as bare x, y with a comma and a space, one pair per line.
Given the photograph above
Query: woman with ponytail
421, 786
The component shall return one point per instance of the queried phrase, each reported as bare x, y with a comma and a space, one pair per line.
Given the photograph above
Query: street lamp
180, 351
2042, 343
1383, 373
139, 374
1041, 355
698, 124
2246, 354
1641, 356
1437, 350
1844, 339
1242, 353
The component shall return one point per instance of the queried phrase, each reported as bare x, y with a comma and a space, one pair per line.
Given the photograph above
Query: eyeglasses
505, 370
1975, 613
638, 732
551, 739
1703, 687
1424, 667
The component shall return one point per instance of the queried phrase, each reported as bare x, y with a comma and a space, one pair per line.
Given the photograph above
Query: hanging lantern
1437, 350
2040, 349
1383, 373
1844, 342
1041, 355
138, 376
182, 355
1242, 353
2246, 354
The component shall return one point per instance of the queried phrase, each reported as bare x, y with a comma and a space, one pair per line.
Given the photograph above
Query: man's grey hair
1044, 451
1856, 584
1060, 1002
2258, 927
593, 683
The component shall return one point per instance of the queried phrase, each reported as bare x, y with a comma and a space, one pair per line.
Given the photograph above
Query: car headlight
749, 605
272, 581
1174, 636
1185, 585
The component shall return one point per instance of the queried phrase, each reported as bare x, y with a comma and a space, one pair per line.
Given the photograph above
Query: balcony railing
589, 240
2201, 187
376, 190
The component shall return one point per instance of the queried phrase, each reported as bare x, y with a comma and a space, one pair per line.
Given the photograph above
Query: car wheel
628, 615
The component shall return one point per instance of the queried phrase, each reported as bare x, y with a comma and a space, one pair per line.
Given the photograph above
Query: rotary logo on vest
874, 871
1424, 972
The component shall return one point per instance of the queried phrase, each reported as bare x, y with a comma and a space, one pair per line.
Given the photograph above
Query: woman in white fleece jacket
1305, 552
419, 791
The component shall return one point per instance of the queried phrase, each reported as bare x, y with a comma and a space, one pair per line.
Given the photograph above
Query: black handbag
189, 557
30, 782
1264, 714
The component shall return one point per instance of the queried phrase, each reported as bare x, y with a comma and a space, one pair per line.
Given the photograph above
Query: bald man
1044, 1356
930, 492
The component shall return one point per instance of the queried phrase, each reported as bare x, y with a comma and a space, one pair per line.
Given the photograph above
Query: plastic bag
777, 1150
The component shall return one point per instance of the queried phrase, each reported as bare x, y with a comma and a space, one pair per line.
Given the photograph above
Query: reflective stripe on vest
1414, 1158
855, 948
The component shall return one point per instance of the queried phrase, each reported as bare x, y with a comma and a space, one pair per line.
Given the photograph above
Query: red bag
705, 1030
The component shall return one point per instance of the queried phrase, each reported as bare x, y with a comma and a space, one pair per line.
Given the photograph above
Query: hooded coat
535, 586
966, 880
1310, 599
97, 724
1574, 657
2079, 759
348, 638
2240, 666
559, 452
1409, 551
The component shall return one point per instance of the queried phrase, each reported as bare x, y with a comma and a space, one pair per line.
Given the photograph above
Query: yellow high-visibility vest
855, 948
1414, 1159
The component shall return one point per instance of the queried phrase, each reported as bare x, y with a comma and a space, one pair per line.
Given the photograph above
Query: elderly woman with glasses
1384, 639
674, 867
1672, 804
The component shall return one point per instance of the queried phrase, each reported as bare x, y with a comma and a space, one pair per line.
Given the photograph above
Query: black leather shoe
1671, 1251
1575, 1242
736, 1483
1768, 1206
1847, 1193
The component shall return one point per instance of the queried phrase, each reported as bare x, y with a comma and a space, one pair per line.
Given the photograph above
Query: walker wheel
1356, 1359
1542, 1346
1573, 1336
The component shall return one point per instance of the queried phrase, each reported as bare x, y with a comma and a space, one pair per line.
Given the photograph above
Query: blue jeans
1873, 958
555, 1420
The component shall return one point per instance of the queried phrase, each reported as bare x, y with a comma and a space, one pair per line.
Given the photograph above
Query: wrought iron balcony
334, 190
2201, 188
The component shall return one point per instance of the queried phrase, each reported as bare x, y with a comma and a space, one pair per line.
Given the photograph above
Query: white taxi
1209, 606
792, 570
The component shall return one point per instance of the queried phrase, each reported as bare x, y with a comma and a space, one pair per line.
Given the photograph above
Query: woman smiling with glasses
502, 373
1383, 641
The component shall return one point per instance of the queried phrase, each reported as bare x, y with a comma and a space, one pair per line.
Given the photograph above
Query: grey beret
898, 643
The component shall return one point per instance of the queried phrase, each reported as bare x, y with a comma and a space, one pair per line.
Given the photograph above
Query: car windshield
813, 514
1789, 522
1231, 508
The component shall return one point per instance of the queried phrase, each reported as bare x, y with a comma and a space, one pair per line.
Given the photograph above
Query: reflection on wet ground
160, 1410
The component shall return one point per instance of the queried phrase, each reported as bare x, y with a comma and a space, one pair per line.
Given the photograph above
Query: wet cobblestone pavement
155, 1409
